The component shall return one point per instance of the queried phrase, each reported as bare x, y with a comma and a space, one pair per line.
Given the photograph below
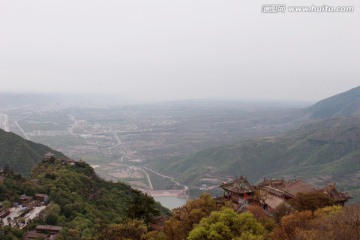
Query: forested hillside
83, 204
20, 154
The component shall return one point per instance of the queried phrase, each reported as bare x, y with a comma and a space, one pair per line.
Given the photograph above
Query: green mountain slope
322, 152
20, 154
340, 105
82, 203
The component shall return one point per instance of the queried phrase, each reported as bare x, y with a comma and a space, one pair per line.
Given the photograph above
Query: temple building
270, 193
339, 197
273, 192
49, 157
239, 189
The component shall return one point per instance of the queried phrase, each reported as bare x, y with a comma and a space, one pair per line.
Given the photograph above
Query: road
22, 131
73, 126
148, 178
186, 188
118, 142
123, 156
4, 122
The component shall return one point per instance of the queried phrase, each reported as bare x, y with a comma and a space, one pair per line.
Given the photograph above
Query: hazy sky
178, 49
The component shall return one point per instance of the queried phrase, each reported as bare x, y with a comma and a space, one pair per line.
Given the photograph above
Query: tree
9, 233
51, 219
51, 214
327, 223
311, 201
227, 225
6, 204
290, 225
282, 210
142, 207
345, 224
155, 235
262, 217
131, 230
184, 218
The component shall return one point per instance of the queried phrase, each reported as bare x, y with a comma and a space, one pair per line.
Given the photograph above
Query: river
171, 201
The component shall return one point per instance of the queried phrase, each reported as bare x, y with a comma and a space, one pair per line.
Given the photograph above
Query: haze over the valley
168, 50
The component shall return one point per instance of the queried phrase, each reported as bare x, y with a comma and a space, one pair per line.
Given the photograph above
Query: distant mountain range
341, 105
20, 154
324, 150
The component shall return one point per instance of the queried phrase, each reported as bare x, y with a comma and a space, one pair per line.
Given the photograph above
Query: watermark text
283, 8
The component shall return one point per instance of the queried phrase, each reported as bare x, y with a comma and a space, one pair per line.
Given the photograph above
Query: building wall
272, 200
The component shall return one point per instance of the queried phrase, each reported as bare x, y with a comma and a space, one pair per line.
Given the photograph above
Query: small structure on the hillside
275, 183
71, 161
42, 198
339, 197
43, 232
49, 157
273, 192
298, 186
24, 199
292, 187
48, 229
271, 197
4, 212
239, 189
67, 161
35, 235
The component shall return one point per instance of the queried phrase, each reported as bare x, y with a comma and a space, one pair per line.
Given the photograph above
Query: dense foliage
326, 223
226, 225
185, 218
20, 154
89, 208
132, 229
286, 223
311, 201
82, 203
